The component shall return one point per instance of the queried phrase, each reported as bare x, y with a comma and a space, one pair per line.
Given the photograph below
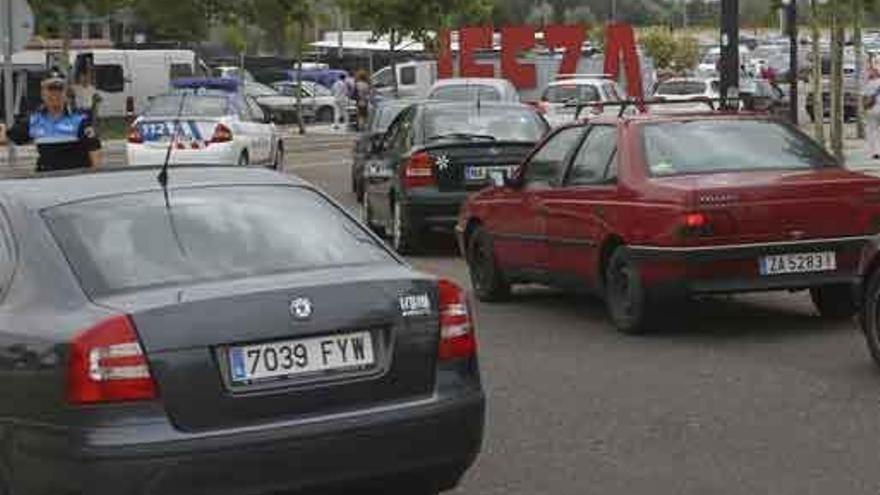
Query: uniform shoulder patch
89, 132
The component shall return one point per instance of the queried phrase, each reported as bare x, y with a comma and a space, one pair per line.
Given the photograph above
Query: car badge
442, 163
494, 151
301, 308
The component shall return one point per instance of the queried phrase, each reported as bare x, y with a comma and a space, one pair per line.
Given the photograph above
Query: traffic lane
754, 395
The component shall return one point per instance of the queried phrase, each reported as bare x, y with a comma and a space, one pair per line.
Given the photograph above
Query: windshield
466, 93
501, 124
194, 105
706, 146
681, 88
582, 93
127, 242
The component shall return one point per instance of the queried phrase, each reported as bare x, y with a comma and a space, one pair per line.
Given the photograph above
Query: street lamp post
790, 7
729, 51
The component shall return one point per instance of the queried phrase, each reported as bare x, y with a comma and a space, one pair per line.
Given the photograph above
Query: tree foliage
673, 51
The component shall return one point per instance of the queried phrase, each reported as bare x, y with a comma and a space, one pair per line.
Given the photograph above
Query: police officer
65, 139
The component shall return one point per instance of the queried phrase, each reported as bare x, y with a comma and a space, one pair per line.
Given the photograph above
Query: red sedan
650, 209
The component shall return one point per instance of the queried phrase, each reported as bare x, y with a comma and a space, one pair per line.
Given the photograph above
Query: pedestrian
363, 96
340, 102
870, 93
65, 138
85, 95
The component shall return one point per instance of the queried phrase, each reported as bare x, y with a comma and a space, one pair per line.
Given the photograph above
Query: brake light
222, 134
696, 220
419, 171
457, 339
107, 364
134, 135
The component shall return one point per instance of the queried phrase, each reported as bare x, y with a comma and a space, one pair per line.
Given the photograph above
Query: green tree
673, 51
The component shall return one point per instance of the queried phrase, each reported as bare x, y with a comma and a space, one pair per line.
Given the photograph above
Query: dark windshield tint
681, 88
466, 93
705, 146
195, 105
500, 124
128, 242
563, 94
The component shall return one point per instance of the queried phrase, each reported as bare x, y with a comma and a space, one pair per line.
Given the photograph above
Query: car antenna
163, 174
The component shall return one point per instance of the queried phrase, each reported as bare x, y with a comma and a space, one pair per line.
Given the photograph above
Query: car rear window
707, 146
500, 124
132, 242
466, 93
193, 105
572, 93
681, 88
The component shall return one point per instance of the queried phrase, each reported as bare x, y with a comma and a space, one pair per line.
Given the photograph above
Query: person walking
65, 138
362, 92
340, 102
870, 94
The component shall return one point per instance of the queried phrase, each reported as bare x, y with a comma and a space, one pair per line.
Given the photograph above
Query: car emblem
494, 151
301, 308
442, 163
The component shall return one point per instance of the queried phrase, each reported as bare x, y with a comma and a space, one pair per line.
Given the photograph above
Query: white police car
215, 124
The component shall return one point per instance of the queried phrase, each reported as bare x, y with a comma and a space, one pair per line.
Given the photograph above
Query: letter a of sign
472, 39
620, 41
515, 40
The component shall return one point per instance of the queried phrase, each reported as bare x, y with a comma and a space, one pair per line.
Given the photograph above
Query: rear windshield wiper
462, 135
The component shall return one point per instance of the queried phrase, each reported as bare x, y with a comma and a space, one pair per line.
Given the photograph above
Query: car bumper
735, 268
440, 436
215, 154
433, 210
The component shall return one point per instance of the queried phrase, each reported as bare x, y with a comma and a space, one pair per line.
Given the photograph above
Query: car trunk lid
471, 166
192, 133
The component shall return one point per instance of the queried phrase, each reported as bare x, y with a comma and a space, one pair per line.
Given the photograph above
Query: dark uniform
63, 142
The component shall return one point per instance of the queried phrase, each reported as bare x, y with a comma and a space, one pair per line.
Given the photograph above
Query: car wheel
869, 316
403, 239
278, 162
835, 302
487, 278
325, 114
243, 159
625, 297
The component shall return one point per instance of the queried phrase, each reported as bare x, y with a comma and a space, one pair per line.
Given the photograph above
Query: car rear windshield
572, 93
131, 242
499, 124
466, 93
197, 105
707, 146
681, 88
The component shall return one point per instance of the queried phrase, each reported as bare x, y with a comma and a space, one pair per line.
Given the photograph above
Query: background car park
242, 323
317, 101
278, 107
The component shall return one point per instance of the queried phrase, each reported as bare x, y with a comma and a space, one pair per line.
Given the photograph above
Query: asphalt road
754, 395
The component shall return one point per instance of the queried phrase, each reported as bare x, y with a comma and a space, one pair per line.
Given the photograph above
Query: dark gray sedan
241, 335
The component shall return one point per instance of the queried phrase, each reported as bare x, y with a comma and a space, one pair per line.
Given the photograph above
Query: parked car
850, 100
433, 155
242, 334
687, 90
560, 99
381, 116
767, 97
317, 101
281, 108
474, 88
647, 210
206, 127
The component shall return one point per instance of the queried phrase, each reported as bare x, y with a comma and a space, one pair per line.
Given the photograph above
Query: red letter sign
570, 37
472, 39
620, 40
514, 40
444, 55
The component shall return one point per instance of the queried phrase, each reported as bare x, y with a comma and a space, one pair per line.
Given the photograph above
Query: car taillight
696, 224
134, 135
457, 339
419, 171
107, 364
222, 134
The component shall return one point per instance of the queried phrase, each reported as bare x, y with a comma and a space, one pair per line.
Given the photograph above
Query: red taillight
134, 135
107, 364
419, 171
457, 338
696, 220
222, 134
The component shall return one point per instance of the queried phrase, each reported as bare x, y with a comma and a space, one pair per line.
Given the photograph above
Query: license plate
483, 173
301, 356
798, 263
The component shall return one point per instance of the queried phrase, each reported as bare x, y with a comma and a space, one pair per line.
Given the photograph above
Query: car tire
278, 161
835, 302
403, 239
869, 316
325, 115
243, 159
629, 305
487, 278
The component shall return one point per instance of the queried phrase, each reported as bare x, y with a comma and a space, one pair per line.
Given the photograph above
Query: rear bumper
735, 268
215, 154
438, 438
434, 211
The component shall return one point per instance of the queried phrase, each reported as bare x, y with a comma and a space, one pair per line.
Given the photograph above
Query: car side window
594, 156
392, 132
402, 139
547, 165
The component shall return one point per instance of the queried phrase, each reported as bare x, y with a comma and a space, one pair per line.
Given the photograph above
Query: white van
126, 79
414, 79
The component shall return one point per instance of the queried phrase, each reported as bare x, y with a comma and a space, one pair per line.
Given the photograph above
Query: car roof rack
642, 105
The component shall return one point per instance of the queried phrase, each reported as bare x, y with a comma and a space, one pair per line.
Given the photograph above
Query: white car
559, 100
317, 100
215, 127
473, 88
691, 92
